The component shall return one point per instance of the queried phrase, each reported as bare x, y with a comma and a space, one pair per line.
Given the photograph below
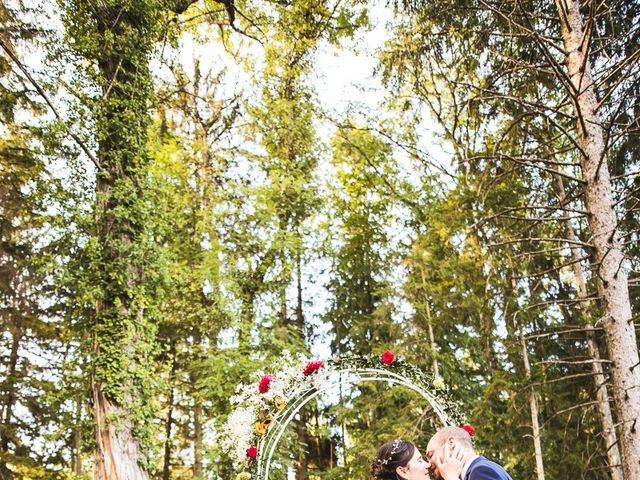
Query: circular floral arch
265, 409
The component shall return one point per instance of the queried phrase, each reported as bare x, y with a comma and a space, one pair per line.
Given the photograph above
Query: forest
193, 191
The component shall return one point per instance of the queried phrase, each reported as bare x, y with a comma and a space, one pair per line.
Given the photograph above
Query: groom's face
435, 448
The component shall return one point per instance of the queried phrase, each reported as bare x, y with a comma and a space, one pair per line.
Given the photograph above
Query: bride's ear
401, 472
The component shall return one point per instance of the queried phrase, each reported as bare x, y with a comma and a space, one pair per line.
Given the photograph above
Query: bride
401, 460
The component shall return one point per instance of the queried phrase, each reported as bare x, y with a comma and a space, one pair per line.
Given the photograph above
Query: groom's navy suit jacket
483, 469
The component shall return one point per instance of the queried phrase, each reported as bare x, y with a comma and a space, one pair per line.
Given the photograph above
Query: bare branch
46, 98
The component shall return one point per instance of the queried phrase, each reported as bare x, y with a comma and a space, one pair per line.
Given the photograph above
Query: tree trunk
12, 368
611, 277
432, 343
10, 391
301, 427
283, 306
122, 335
486, 333
299, 305
602, 394
76, 457
303, 445
604, 409
117, 451
432, 338
533, 403
166, 464
197, 438
197, 405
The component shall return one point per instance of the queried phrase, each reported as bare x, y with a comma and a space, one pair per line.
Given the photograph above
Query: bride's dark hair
390, 456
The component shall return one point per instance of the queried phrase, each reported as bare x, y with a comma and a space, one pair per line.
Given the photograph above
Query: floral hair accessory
469, 429
394, 449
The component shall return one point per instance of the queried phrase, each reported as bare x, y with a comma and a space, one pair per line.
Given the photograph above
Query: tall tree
611, 277
115, 41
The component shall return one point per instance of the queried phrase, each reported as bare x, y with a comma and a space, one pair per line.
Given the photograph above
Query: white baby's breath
238, 433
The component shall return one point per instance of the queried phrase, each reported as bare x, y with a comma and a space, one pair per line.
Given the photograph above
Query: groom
450, 450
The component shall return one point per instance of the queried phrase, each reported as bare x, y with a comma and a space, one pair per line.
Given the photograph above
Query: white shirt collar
466, 466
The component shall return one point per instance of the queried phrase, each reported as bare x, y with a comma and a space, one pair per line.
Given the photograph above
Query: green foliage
503, 109
360, 311
227, 219
114, 42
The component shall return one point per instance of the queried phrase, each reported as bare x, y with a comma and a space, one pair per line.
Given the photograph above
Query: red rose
263, 386
469, 429
387, 358
252, 452
312, 367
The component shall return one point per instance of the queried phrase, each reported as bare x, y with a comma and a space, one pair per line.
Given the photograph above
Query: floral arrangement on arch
260, 402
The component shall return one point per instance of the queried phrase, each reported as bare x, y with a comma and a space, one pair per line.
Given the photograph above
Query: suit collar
467, 466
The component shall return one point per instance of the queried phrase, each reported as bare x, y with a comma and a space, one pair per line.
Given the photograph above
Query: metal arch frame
304, 394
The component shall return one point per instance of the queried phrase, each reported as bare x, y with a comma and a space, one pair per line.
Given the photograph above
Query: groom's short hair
457, 433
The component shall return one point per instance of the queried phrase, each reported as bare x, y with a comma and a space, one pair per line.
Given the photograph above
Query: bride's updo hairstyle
390, 456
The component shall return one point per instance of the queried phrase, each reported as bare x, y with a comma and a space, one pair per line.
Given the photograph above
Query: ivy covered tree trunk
611, 276
116, 38
122, 336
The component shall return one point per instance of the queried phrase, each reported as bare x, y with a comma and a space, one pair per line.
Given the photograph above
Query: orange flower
267, 422
261, 427
280, 403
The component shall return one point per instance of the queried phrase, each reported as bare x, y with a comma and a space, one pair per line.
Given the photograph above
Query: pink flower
387, 358
312, 367
252, 452
263, 386
469, 429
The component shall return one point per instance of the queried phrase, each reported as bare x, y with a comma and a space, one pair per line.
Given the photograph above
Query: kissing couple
449, 456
